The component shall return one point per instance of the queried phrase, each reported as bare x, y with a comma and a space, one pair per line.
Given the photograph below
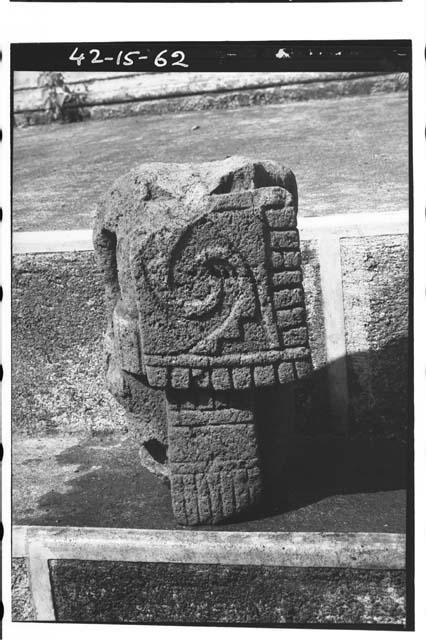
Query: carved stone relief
205, 306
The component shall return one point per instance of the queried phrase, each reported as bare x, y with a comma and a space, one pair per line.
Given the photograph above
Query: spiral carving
200, 287
214, 266
197, 283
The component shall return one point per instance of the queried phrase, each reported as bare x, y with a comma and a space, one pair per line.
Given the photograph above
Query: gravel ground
349, 155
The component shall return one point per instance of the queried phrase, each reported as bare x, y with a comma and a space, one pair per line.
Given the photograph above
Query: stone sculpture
205, 305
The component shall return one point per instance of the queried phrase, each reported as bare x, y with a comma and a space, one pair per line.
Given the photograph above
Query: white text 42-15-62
123, 58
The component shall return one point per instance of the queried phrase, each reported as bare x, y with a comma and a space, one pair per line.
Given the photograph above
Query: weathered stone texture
57, 351
193, 296
376, 300
22, 604
167, 593
214, 457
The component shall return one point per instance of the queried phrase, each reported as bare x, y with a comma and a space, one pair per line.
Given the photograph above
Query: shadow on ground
315, 479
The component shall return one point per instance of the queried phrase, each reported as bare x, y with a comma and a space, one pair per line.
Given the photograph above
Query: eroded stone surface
182, 593
205, 300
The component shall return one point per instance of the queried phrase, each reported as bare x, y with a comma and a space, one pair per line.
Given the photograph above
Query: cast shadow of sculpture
307, 456
303, 464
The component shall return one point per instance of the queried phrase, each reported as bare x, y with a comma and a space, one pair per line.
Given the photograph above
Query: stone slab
57, 372
175, 593
112, 575
376, 310
170, 593
22, 605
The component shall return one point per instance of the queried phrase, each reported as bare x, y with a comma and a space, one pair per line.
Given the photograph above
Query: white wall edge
334, 328
355, 224
343, 225
59, 241
293, 549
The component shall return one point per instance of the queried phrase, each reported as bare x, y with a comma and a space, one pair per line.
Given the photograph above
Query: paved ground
349, 155
99, 482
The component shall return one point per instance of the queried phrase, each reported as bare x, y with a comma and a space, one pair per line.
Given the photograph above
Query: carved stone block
205, 305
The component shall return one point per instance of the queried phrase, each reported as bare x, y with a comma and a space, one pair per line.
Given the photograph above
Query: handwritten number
180, 62
77, 58
160, 61
128, 58
96, 58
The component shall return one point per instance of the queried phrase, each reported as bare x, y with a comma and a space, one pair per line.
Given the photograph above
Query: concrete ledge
295, 549
45, 547
52, 241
